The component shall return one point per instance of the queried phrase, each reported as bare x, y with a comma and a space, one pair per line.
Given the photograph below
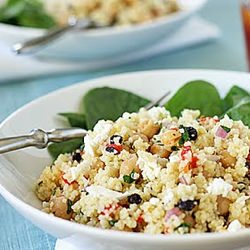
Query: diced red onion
221, 133
174, 211
183, 180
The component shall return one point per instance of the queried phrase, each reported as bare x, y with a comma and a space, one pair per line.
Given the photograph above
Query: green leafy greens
110, 103
241, 112
196, 95
233, 97
29, 13
55, 149
128, 178
75, 119
184, 137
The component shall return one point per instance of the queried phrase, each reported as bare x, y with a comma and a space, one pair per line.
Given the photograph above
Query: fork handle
40, 139
18, 142
37, 43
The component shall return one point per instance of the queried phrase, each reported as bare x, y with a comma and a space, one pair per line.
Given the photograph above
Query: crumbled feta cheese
101, 133
102, 130
88, 145
234, 226
189, 116
168, 196
219, 187
74, 173
98, 191
174, 158
154, 201
158, 113
148, 164
226, 121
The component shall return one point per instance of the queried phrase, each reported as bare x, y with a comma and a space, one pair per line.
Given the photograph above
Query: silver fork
35, 44
40, 139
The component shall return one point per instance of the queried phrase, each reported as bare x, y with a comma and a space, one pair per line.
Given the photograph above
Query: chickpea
159, 150
223, 205
137, 136
59, 208
129, 165
189, 220
98, 164
170, 137
148, 128
227, 160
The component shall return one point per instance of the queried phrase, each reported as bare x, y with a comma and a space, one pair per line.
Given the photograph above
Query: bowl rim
117, 30
120, 235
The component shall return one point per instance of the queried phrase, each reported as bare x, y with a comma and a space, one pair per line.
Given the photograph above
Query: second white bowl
108, 42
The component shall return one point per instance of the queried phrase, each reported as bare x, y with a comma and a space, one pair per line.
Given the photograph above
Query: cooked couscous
110, 12
153, 173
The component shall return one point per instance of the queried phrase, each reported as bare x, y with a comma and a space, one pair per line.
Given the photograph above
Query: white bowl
19, 170
108, 42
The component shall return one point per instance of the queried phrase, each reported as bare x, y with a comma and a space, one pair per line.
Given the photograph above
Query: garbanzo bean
170, 137
223, 205
98, 164
129, 165
60, 208
227, 160
148, 128
159, 150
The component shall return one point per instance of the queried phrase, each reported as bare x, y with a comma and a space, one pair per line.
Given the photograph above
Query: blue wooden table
226, 53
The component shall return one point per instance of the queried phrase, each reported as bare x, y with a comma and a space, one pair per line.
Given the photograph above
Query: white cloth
18, 67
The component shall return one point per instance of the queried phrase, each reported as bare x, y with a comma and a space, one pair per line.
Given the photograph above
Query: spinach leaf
55, 149
196, 95
75, 119
29, 13
11, 9
109, 104
233, 97
241, 111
